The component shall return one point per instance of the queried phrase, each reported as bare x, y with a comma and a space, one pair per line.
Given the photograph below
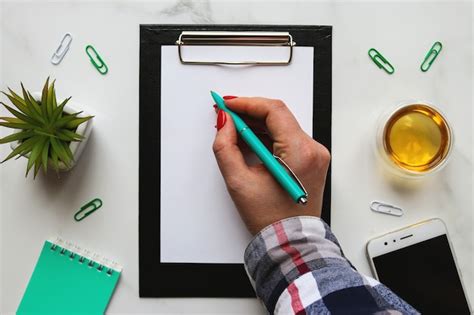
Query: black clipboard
158, 279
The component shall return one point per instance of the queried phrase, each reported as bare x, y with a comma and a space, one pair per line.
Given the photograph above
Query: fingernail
229, 97
221, 118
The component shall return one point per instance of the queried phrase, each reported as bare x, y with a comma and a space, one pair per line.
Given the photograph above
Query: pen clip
279, 159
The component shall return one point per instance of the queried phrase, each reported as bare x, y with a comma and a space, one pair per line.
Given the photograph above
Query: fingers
278, 118
246, 151
228, 155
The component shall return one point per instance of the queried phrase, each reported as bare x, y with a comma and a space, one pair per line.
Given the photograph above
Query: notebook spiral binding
86, 257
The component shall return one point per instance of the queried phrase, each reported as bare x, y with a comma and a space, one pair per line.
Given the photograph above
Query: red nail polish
215, 108
221, 119
229, 97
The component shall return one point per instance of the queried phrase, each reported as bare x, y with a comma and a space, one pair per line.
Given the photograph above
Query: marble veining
30, 31
199, 11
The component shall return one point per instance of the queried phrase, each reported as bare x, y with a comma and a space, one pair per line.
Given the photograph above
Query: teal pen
295, 190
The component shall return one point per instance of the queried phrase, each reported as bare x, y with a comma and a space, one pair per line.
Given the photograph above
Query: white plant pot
76, 147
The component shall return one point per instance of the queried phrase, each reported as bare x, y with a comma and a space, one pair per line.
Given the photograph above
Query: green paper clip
88, 208
431, 56
96, 60
380, 61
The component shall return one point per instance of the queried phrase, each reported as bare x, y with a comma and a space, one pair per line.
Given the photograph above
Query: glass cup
414, 139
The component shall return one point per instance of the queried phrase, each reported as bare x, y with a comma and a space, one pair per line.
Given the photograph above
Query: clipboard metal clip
214, 38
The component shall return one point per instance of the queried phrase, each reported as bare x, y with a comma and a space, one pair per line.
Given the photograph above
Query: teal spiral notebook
69, 280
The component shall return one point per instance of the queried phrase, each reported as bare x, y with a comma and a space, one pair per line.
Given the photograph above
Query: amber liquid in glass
417, 138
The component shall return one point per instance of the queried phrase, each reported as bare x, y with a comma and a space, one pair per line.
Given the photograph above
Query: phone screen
424, 275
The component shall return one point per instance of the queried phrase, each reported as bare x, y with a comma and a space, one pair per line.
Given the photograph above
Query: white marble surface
33, 210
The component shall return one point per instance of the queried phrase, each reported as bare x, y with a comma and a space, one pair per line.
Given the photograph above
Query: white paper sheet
199, 222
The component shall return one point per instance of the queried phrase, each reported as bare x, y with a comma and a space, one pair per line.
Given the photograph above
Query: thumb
228, 155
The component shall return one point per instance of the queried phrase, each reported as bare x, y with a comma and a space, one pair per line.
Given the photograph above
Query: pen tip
303, 201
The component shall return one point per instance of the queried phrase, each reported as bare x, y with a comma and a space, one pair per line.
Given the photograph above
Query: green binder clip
431, 56
96, 60
380, 61
88, 209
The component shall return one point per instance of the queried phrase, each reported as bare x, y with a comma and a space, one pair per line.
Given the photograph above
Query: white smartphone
417, 263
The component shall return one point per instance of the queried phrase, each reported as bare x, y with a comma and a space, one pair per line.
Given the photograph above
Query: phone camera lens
385, 243
394, 241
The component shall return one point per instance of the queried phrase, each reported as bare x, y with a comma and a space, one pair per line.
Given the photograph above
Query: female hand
258, 197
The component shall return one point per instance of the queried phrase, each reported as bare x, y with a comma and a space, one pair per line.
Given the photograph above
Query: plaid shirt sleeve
297, 266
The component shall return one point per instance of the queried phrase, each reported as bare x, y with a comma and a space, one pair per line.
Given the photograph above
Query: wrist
285, 250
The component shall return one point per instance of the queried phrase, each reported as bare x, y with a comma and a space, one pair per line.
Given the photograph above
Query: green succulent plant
44, 129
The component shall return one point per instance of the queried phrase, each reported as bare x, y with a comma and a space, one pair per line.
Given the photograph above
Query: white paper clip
62, 49
386, 208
